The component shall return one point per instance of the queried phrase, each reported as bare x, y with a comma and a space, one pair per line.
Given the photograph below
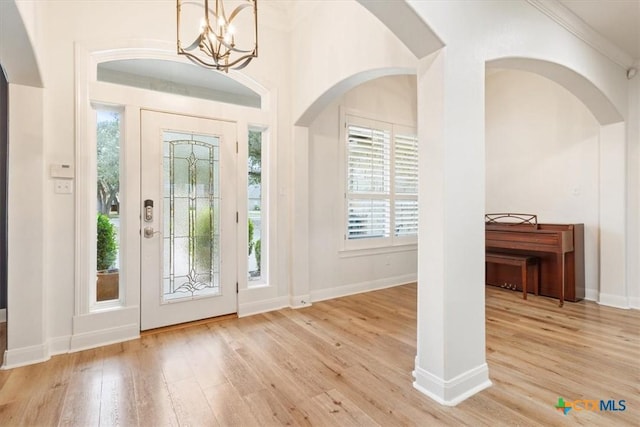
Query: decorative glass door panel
192, 216
188, 224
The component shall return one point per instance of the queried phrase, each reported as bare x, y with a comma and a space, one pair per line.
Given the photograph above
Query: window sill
350, 253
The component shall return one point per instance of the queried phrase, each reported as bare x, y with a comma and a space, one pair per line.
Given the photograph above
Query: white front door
188, 221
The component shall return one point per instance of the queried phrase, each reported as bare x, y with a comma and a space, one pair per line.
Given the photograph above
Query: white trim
351, 253
262, 306
591, 295
105, 327
634, 302
610, 300
87, 340
576, 26
59, 345
300, 301
357, 288
23, 356
453, 391
3, 315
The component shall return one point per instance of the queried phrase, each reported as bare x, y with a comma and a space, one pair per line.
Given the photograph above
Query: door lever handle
149, 232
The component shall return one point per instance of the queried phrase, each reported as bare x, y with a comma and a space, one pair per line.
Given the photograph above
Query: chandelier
218, 40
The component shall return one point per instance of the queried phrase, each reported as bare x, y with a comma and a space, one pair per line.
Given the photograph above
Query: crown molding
572, 23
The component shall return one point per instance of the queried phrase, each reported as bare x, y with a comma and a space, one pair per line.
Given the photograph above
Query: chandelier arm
195, 43
234, 49
200, 62
244, 64
238, 10
246, 58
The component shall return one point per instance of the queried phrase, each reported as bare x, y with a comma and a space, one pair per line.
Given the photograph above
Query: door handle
149, 232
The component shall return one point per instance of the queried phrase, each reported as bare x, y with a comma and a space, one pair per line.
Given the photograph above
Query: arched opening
342, 87
574, 140
343, 260
542, 157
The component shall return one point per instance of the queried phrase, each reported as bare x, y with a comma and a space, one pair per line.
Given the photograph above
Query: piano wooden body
560, 248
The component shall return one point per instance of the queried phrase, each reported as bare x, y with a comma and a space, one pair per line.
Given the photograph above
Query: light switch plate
63, 186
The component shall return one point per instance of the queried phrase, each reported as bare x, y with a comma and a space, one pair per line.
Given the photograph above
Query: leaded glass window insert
191, 199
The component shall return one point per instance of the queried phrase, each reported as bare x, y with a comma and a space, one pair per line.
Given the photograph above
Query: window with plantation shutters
381, 191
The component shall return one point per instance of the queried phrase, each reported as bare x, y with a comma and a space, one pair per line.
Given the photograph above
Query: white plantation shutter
381, 196
406, 164
406, 217
406, 183
368, 160
368, 218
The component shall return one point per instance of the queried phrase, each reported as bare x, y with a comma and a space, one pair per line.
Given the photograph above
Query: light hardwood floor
342, 362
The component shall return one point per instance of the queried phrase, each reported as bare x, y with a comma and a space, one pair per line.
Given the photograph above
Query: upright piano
559, 247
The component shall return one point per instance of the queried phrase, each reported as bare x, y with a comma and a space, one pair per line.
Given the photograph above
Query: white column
299, 290
633, 193
26, 314
451, 363
613, 233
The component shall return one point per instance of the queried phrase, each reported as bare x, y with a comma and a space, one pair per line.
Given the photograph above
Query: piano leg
524, 270
560, 258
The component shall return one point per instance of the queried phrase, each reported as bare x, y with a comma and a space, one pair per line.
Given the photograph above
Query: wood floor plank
345, 362
228, 406
190, 404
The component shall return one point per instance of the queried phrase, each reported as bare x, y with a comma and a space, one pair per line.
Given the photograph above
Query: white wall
542, 154
334, 272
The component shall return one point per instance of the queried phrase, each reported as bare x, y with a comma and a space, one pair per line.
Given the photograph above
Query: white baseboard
634, 302
611, 300
300, 301
356, 288
3, 315
25, 356
251, 308
453, 391
591, 295
93, 339
59, 345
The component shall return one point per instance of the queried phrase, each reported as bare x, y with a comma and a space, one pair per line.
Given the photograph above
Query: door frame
93, 326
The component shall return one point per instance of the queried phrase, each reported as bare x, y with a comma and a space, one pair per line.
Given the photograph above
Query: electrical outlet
63, 186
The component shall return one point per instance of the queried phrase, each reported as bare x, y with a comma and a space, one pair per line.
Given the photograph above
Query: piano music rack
511, 219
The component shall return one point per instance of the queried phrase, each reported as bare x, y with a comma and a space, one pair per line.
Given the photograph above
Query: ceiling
618, 21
